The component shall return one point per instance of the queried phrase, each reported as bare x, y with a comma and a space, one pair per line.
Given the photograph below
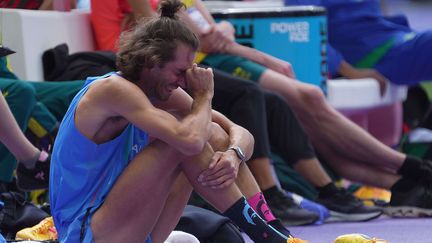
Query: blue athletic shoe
317, 208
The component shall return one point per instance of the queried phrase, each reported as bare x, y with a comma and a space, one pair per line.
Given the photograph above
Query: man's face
161, 81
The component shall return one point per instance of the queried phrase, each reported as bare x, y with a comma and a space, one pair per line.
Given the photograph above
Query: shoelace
44, 226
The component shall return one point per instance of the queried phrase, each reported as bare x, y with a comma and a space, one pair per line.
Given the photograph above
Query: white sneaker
181, 237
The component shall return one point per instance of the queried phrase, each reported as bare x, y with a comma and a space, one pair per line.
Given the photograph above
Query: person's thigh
287, 137
242, 101
409, 62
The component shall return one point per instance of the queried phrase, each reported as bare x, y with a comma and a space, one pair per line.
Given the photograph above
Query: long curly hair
154, 41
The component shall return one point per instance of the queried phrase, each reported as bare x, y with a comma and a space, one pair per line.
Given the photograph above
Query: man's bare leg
328, 129
364, 173
135, 202
289, 213
153, 172
173, 209
151, 175
13, 138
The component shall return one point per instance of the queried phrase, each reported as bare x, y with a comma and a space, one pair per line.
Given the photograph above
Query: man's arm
219, 38
223, 167
338, 66
116, 97
350, 72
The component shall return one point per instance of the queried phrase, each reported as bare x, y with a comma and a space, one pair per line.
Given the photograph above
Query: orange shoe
296, 240
45, 230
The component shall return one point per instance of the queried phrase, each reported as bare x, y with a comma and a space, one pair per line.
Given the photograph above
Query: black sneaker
344, 206
284, 208
412, 199
426, 170
277, 224
34, 179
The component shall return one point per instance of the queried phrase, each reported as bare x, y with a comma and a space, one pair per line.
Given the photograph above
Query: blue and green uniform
360, 34
83, 172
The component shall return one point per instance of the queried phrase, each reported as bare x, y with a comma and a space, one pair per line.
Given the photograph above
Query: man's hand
218, 38
222, 170
199, 81
351, 72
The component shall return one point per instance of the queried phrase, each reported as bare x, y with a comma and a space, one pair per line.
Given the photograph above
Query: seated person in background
245, 104
132, 134
275, 129
361, 35
39, 106
348, 148
14, 140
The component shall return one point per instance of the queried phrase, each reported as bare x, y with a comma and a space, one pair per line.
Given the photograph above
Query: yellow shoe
358, 238
45, 230
296, 240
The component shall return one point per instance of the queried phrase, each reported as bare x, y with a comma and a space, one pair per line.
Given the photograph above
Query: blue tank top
83, 172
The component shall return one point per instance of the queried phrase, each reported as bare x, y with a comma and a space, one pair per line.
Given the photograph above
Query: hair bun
169, 8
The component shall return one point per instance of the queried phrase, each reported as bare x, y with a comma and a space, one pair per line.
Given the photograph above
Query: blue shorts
86, 235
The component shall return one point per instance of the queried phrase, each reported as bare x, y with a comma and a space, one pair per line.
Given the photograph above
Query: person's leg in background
20, 98
243, 103
40, 107
353, 152
339, 139
329, 131
332, 134
285, 132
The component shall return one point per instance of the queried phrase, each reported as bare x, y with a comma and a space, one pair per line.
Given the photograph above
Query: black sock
402, 185
254, 226
415, 168
327, 190
268, 193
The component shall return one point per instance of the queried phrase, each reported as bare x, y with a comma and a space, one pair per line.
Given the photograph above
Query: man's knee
312, 96
219, 139
161, 151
